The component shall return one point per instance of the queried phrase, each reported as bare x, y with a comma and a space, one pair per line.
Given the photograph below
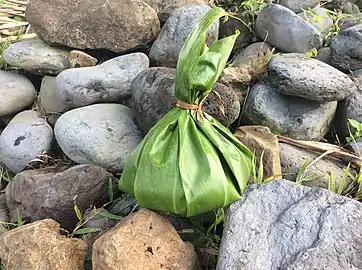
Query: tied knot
198, 108
192, 107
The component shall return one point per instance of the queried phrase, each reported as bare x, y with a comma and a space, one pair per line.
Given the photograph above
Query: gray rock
285, 30
48, 98
357, 77
324, 55
124, 206
153, 96
351, 108
34, 55
51, 193
99, 134
337, 4
229, 27
282, 225
295, 117
346, 23
96, 220
346, 49
113, 25
17, 93
350, 8
24, 138
319, 18
299, 5
292, 159
294, 74
254, 58
165, 7
168, 44
108, 82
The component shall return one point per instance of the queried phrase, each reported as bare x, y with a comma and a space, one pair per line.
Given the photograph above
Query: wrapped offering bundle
189, 163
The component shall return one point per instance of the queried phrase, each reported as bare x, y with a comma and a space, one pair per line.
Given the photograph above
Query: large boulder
99, 134
24, 138
346, 49
285, 30
294, 117
107, 82
114, 25
283, 225
167, 47
36, 56
296, 75
52, 193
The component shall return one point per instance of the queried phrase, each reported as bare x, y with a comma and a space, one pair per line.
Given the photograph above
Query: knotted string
192, 107
199, 108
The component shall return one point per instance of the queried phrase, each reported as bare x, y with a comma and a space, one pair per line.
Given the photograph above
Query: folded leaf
183, 165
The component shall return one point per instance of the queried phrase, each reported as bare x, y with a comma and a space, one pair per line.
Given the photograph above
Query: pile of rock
95, 110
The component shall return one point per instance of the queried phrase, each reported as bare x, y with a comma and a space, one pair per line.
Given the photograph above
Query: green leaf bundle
189, 163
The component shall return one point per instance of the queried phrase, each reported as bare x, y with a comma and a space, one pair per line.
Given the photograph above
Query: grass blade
344, 179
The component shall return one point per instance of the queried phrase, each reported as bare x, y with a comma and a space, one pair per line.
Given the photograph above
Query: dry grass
12, 20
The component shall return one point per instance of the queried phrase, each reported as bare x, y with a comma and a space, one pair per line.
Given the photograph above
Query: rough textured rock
295, 117
142, 239
351, 108
346, 49
24, 138
124, 206
292, 159
350, 8
355, 147
319, 18
96, 221
48, 97
168, 44
254, 58
115, 25
324, 55
165, 7
34, 55
99, 134
346, 23
229, 27
237, 79
81, 59
294, 74
17, 93
51, 193
357, 77
153, 96
3, 212
299, 5
285, 30
261, 141
108, 82
282, 225
40, 245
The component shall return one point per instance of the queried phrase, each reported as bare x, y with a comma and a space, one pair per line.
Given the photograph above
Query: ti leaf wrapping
185, 165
